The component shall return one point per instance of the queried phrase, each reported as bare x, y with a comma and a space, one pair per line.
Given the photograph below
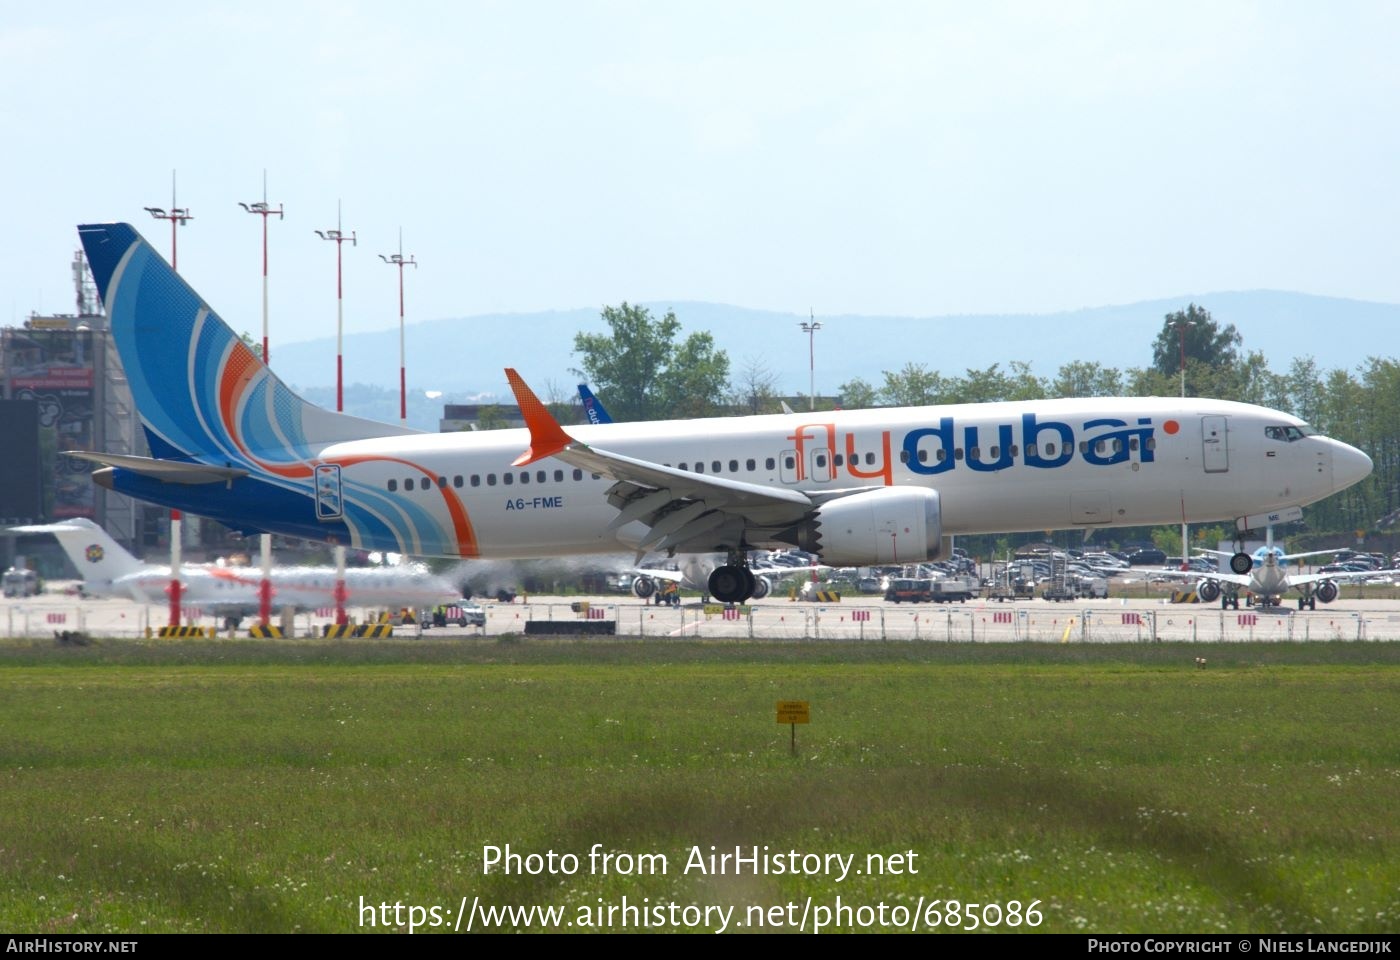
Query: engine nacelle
1327, 591
1208, 590
889, 525
643, 587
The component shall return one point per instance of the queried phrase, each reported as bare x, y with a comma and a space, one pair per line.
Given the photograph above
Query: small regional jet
1265, 577
230, 441
231, 593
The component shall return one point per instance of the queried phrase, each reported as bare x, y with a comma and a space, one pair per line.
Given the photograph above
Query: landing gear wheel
749, 584
1241, 563
728, 584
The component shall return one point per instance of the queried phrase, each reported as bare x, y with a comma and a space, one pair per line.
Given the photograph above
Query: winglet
546, 436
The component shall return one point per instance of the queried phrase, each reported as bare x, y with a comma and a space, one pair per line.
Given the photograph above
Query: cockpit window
1289, 434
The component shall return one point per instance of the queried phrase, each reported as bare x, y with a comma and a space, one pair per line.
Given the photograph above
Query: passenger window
1030, 450
974, 453
524, 476
733, 466
1013, 449
393, 485
541, 477
490, 479
750, 465
836, 460
1049, 449
442, 482
957, 454
1151, 443
508, 478
578, 474
870, 459
558, 476
904, 456
457, 481
788, 461
1132, 443
768, 464
476, 479
685, 466
996, 451
923, 456
715, 467
821, 459
699, 466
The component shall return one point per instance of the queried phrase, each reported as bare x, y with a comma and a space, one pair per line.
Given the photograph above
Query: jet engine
1208, 590
890, 525
643, 587
1327, 591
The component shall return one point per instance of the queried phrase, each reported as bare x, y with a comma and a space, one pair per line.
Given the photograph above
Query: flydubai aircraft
108, 570
230, 441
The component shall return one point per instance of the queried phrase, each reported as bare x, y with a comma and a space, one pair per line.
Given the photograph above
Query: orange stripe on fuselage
461, 522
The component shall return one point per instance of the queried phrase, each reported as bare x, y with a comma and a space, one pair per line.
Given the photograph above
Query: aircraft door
1215, 449
328, 503
819, 465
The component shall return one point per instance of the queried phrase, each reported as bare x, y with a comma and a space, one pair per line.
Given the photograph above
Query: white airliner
1266, 578
231, 593
230, 441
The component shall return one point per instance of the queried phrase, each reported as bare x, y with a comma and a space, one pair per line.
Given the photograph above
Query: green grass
267, 786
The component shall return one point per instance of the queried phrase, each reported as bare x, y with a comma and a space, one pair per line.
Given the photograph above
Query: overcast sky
902, 158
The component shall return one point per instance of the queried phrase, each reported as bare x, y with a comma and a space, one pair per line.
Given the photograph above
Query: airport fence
939, 623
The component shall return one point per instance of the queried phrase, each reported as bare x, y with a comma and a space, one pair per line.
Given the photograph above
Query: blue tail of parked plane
592, 406
221, 427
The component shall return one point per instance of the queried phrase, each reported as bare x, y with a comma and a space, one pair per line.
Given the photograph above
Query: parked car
1147, 557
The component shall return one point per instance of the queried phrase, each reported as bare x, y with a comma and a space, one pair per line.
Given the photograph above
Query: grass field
269, 786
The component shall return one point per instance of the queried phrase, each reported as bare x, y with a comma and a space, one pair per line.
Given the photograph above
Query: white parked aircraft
1265, 577
108, 570
230, 441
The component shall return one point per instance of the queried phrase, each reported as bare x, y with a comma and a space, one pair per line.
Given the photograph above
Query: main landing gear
733, 582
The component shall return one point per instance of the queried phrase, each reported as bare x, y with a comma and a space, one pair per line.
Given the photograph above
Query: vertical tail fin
592, 406
100, 560
201, 391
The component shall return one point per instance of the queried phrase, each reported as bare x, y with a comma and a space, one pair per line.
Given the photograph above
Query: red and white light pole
338, 235
178, 217
397, 259
264, 210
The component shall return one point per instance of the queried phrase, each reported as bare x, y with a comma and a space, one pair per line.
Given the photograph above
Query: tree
757, 388
642, 374
1205, 341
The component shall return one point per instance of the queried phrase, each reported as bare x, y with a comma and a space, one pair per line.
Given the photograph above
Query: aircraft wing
1242, 580
676, 504
1308, 579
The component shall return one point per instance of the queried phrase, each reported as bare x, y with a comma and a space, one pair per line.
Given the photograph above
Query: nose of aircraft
1349, 465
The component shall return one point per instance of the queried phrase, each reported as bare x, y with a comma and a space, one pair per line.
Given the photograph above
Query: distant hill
464, 356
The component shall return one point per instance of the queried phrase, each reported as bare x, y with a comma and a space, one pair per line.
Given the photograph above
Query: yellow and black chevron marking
826, 596
269, 632
339, 630
1185, 596
373, 630
203, 632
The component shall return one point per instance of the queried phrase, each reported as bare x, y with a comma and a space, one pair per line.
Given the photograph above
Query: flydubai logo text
983, 447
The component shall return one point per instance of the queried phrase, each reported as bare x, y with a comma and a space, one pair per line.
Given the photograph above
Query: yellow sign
793, 711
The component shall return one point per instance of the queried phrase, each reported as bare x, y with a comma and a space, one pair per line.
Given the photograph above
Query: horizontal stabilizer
167, 471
